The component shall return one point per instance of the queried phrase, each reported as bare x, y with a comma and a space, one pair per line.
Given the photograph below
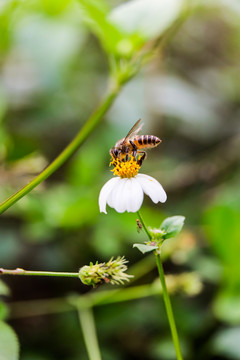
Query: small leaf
9, 344
172, 226
145, 248
147, 18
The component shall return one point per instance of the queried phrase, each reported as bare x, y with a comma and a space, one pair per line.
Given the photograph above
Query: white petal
127, 195
152, 188
118, 196
105, 191
135, 198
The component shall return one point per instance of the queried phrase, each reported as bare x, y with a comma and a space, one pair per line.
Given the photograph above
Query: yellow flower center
125, 169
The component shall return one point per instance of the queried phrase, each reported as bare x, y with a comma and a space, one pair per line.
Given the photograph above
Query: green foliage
9, 344
222, 227
95, 16
4, 311
4, 289
126, 28
145, 248
226, 305
169, 228
172, 226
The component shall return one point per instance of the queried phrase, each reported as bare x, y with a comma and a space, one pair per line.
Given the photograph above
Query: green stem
87, 128
89, 332
29, 308
168, 306
144, 225
165, 294
20, 271
21, 309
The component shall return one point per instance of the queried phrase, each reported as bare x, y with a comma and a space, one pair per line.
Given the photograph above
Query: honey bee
133, 144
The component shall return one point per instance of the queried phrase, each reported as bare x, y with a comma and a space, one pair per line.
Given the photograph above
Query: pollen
125, 169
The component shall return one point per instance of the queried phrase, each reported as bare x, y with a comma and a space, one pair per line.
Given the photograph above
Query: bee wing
134, 130
119, 142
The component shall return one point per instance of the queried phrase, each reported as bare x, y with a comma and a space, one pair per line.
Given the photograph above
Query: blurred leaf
53, 7
224, 234
88, 162
227, 306
10, 247
147, 18
129, 25
164, 349
172, 226
6, 10
60, 38
60, 206
208, 267
9, 344
118, 237
4, 311
145, 248
223, 230
226, 343
4, 289
83, 210
95, 15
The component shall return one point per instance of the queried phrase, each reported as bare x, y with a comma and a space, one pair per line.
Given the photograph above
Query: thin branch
20, 271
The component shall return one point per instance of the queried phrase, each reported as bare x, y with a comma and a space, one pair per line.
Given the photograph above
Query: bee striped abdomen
146, 141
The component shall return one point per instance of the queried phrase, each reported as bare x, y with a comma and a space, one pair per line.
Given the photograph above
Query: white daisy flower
126, 191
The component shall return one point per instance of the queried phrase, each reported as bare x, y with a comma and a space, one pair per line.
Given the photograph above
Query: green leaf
145, 248
172, 226
147, 18
4, 311
9, 345
95, 16
4, 289
128, 26
226, 307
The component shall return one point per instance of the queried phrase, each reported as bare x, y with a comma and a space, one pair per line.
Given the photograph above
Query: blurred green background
53, 73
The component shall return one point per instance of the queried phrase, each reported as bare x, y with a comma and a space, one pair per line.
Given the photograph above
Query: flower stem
20, 271
168, 306
81, 136
89, 332
165, 294
144, 225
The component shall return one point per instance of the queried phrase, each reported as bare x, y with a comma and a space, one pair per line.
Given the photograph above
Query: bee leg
134, 148
127, 148
140, 160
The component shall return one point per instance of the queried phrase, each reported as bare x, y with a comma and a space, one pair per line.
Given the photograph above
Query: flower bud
112, 272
